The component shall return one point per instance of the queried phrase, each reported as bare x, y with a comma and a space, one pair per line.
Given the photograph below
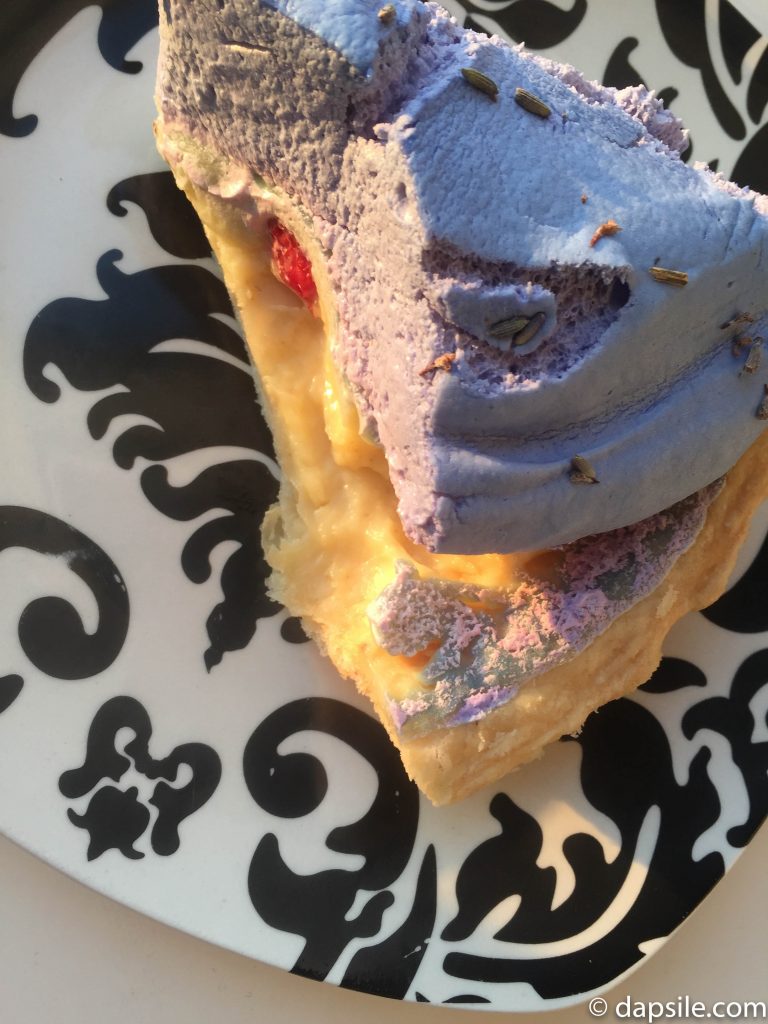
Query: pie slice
508, 343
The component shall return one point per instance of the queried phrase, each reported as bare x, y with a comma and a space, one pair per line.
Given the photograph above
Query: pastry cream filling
335, 530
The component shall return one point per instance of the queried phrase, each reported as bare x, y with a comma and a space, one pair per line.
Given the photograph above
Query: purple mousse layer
487, 642
445, 210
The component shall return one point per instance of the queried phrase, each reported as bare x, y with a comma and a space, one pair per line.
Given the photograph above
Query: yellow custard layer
335, 530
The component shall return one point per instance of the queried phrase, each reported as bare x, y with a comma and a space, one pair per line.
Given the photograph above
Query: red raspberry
290, 263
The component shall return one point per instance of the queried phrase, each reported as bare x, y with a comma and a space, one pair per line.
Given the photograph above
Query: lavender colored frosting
347, 27
488, 641
445, 211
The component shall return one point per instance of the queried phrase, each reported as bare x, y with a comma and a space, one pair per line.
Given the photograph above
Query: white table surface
71, 956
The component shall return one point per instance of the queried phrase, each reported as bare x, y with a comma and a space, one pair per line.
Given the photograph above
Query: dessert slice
507, 341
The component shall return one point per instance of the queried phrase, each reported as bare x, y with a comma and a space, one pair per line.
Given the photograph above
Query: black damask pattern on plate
537, 23
27, 25
751, 168
115, 818
170, 216
454, 1000
684, 27
737, 36
388, 967
243, 489
292, 631
685, 31
757, 96
190, 401
51, 632
10, 688
743, 608
316, 906
619, 71
626, 774
674, 674
100, 343
733, 718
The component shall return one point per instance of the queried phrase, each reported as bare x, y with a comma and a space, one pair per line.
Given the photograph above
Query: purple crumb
483, 658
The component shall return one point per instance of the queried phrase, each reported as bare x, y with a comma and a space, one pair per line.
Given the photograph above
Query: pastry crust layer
333, 481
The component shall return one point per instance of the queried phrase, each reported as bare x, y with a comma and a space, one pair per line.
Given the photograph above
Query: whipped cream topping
347, 27
445, 212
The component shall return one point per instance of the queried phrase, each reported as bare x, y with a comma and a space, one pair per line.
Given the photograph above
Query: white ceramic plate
166, 736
